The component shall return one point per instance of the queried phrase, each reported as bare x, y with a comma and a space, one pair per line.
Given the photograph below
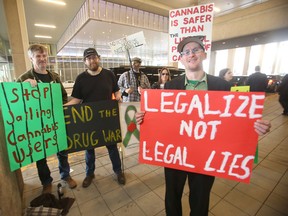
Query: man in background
257, 81
39, 74
132, 82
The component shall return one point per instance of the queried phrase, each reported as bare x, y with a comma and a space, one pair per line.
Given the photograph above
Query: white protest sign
123, 44
191, 21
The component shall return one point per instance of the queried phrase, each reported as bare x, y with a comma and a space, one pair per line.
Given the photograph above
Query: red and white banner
208, 132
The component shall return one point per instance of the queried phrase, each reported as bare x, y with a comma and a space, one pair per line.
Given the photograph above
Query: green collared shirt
196, 84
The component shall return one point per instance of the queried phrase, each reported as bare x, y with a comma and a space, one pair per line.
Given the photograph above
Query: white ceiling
98, 34
91, 34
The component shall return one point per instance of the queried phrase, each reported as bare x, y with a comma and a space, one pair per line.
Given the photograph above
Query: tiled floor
143, 194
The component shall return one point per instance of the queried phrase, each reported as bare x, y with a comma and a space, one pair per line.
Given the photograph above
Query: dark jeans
114, 157
44, 171
199, 195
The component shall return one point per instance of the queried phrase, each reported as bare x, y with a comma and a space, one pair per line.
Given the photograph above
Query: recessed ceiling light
44, 25
55, 2
42, 36
216, 9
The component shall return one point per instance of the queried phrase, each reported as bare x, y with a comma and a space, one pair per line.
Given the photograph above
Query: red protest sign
201, 131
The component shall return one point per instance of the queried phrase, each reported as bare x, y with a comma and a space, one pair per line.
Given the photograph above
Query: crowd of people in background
258, 82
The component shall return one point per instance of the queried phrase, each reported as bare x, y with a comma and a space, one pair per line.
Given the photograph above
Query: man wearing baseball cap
96, 84
192, 54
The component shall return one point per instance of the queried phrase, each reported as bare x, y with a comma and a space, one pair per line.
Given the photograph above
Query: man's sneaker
121, 178
47, 188
88, 180
70, 182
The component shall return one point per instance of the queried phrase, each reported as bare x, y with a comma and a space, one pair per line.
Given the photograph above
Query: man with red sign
192, 54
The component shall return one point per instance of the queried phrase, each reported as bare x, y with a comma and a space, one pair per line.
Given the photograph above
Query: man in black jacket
192, 53
257, 81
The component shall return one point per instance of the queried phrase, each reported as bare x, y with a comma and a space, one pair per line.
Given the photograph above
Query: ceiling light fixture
55, 2
44, 25
216, 9
42, 36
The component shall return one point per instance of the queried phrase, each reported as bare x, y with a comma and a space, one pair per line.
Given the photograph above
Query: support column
230, 60
246, 61
11, 202
212, 62
11, 187
18, 36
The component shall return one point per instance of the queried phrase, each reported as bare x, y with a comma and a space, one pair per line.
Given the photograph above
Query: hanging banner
191, 21
91, 125
201, 131
33, 120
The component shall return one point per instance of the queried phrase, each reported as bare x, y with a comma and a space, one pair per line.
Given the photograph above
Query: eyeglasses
194, 51
164, 74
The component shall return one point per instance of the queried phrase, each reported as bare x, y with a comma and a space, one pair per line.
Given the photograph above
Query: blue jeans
114, 157
44, 171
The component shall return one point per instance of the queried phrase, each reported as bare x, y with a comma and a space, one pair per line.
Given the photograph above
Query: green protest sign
33, 120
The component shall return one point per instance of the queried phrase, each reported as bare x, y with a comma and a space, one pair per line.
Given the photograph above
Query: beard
93, 67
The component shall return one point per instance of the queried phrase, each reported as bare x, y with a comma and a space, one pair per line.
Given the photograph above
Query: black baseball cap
90, 51
196, 39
